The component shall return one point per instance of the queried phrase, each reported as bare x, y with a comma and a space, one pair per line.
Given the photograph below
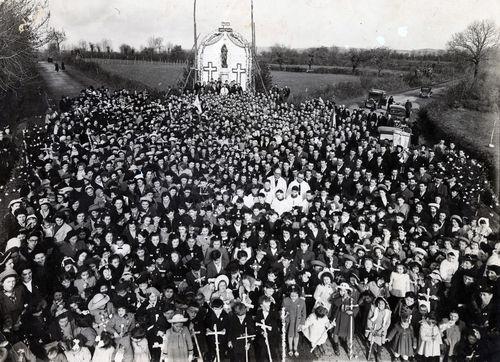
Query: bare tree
155, 43
23, 30
106, 45
355, 57
475, 43
82, 45
58, 37
379, 58
169, 46
92, 47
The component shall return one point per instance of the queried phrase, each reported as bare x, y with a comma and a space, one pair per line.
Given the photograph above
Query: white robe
315, 329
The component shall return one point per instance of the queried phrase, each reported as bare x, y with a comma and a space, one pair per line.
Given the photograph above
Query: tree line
379, 58
472, 46
156, 49
469, 47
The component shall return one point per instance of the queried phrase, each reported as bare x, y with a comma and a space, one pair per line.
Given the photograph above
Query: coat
296, 315
377, 325
340, 309
102, 317
11, 309
236, 329
430, 340
452, 332
273, 335
402, 338
121, 325
177, 346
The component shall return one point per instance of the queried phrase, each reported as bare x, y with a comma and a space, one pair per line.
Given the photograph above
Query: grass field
153, 74
162, 75
305, 82
474, 130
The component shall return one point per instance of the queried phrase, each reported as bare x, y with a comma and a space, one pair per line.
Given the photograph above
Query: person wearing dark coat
343, 311
266, 316
217, 316
239, 324
12, 300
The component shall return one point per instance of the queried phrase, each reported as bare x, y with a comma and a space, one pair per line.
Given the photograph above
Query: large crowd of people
241, 227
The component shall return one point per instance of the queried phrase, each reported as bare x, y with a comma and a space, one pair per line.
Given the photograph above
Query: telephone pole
254, 55
195, 44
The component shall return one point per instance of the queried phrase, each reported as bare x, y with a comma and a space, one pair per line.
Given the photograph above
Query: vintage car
400, 135
397, 112
425, 92
376, 99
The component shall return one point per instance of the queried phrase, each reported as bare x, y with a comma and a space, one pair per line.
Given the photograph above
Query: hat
483, 287
433, 204
494, 268
98, 301
382, 187
318, 263
325, 273
14, 243
456, 217
177, 318
349, 257
420, 251
43, 201
378, 246
66, 190
94, 207
359, 247
15, 201
219, 279
344, 286
6, 274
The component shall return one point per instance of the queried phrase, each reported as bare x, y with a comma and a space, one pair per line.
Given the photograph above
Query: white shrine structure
226, 56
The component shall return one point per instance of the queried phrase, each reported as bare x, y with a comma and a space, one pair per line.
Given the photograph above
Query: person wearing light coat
429, 343
379, 320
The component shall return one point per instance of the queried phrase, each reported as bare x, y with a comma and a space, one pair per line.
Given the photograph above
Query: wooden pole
246, 337
253, 47
200, 356
195, 43
283, 334
216, 334
265, 328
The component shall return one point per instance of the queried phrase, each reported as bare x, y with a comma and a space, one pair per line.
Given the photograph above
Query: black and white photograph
249, 180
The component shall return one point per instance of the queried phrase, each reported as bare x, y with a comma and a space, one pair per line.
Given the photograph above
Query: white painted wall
235, 55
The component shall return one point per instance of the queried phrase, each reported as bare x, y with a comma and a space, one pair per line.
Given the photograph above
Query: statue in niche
223, 56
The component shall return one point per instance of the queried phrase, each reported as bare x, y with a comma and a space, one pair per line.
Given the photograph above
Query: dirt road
67, 82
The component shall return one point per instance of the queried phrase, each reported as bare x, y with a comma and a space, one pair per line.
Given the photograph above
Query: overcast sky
408, 24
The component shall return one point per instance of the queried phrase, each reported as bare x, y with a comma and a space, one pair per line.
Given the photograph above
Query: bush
265, 79
335, 70
316, 70
339, 91
432, 125
481, 94
389, 82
